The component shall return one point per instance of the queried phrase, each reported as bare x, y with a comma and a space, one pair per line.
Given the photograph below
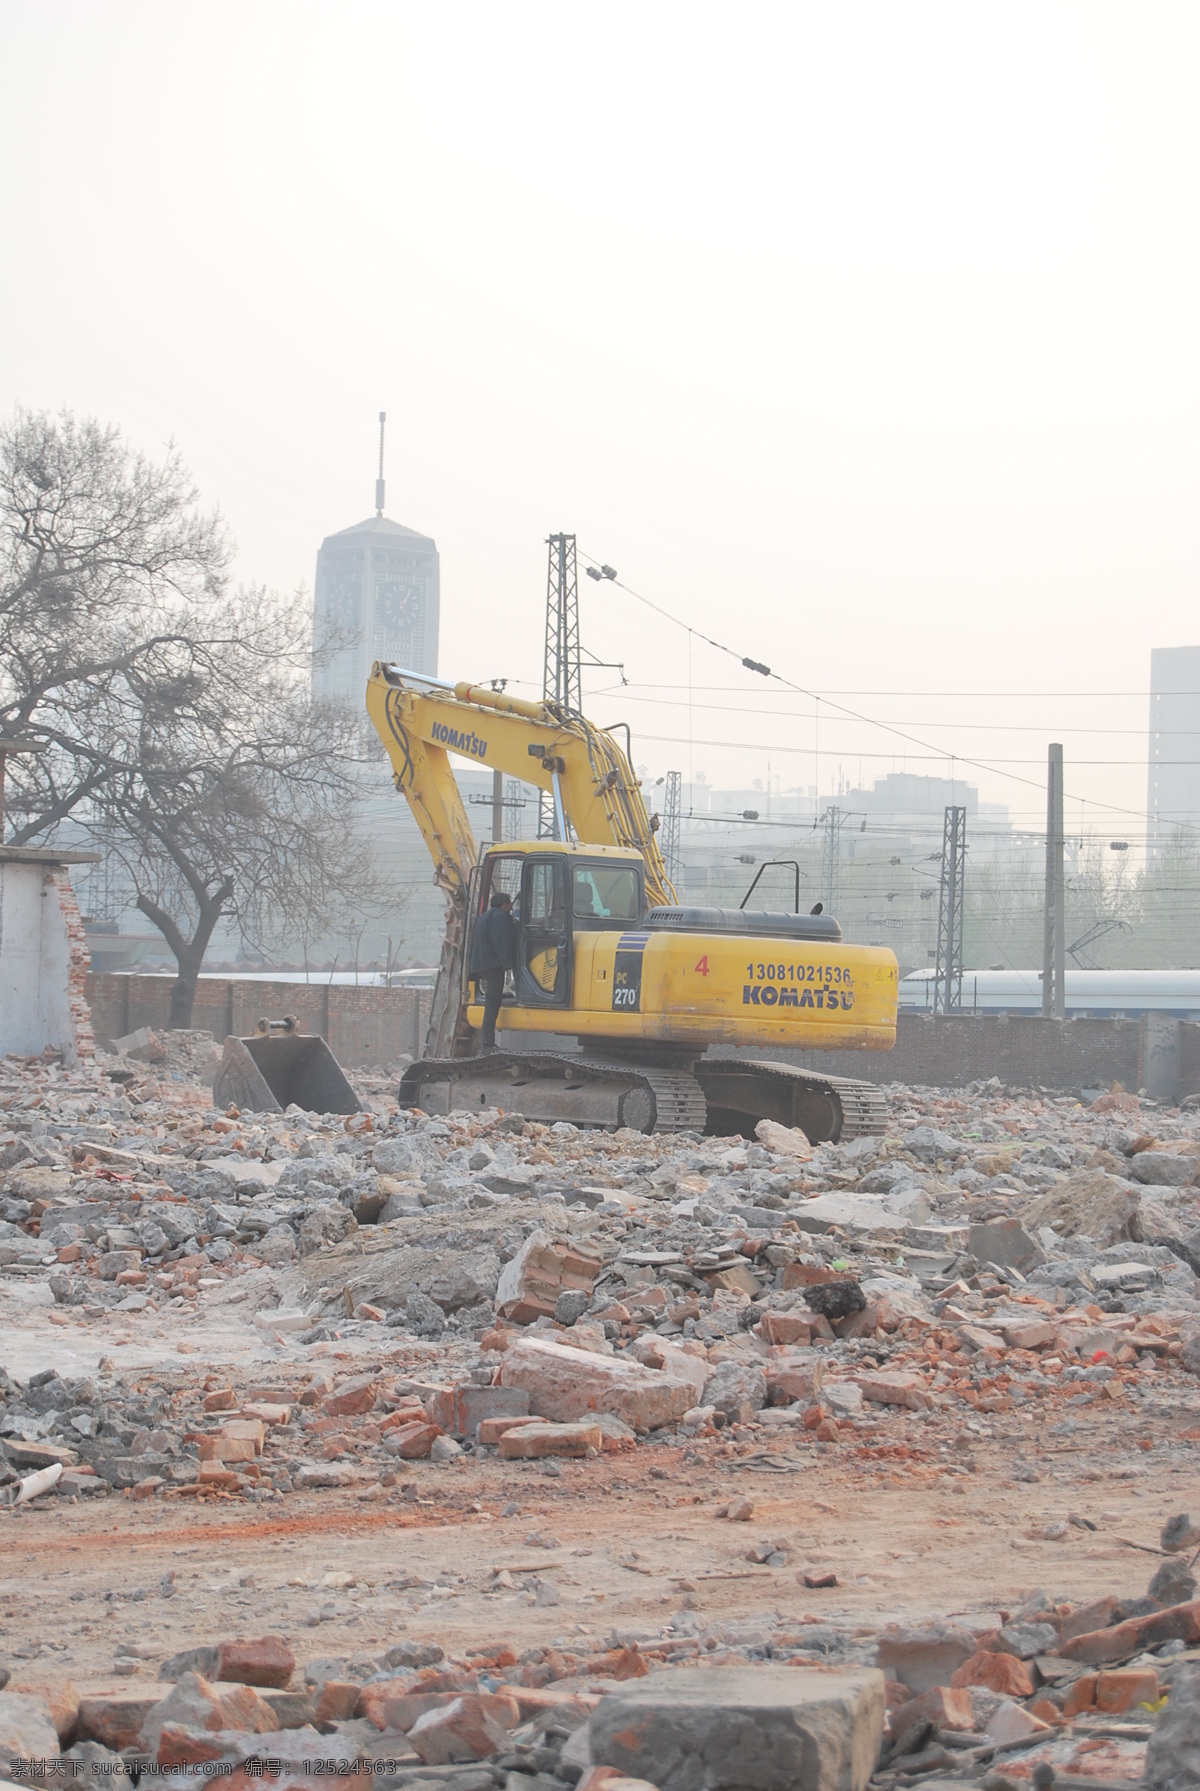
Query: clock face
396, 605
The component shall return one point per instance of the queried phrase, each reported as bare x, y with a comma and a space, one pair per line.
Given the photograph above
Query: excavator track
717, 1095
741, 1090
541, 1085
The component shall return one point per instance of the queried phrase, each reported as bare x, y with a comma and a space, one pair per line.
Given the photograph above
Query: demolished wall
43, 958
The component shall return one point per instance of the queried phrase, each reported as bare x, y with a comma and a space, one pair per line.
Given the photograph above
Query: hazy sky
864, 337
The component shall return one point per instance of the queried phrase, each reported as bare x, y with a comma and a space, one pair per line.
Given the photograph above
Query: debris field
475, 1452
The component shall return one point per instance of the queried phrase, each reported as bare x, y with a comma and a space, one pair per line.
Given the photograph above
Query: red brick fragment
267, 1661
1178, 1622
351, 1400
336, 1701
1123, 1689
946, 1707
412, 1442
1080, 1697
114, 1720
1002, 1673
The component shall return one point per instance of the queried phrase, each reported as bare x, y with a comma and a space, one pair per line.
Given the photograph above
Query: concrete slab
744, 1729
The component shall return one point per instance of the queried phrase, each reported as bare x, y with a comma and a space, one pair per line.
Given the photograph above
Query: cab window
545, 897
605, 893
501, 876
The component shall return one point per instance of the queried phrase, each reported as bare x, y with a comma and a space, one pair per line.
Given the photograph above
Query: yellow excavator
607, 957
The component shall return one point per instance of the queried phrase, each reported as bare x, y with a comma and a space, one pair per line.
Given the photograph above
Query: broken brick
266, 1661
114, 1719
1179, 1622
492, 1429
1123, 1689
568, 1384
351, 1400
412, 1442
464, 1730
945, 1706
901, 1388
1002, 1673
543, 1268
336, 1700
525, 1442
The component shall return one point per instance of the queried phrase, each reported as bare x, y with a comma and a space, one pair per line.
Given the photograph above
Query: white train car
1100, 994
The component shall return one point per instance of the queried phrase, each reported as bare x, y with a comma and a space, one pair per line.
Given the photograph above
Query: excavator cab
557, 894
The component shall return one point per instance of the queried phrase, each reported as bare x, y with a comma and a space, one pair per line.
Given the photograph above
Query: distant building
376, 596
1173, 749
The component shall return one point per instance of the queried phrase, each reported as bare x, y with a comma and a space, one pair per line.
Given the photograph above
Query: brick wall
80, 963
948, 1052
363, 1027
371, 1027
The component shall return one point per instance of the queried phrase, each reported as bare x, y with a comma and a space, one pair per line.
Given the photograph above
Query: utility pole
505, 806
668, 838
1054, 937
562, 679
514, 802
831, 852
947, 989
497, 807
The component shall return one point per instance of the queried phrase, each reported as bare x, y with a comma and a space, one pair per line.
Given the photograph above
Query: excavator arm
590, 778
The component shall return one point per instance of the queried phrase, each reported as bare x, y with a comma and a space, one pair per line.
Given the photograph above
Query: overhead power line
766, 671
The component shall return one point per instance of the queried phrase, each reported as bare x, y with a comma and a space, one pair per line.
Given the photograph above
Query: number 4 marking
702, 966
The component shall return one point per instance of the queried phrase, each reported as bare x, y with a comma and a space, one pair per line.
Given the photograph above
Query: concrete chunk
26, 1730
1164, 1168
920, 1658
1005, 1244
893, 1389
744, 1729
569, 1384
1173, 1756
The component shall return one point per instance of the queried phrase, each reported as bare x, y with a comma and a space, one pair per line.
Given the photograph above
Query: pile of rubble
540, 1290
1102, 1695
217, 1308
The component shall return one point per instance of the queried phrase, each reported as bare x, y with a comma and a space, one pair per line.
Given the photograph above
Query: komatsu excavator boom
607, 957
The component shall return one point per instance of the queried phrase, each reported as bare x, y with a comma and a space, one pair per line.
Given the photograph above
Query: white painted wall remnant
43, 958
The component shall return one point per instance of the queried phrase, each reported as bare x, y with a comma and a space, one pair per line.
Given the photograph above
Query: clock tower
375, 597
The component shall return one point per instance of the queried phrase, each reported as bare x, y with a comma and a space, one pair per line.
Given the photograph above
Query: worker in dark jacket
493, 953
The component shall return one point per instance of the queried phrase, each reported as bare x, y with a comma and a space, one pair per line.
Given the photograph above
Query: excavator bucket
280, 1067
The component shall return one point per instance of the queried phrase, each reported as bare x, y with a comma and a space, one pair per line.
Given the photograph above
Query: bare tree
237, 800
106, 561
176, 715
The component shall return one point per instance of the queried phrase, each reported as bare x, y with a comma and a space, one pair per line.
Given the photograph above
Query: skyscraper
1173, 786
375, 597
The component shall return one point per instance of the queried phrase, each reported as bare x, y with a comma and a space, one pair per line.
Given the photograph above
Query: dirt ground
623, 1544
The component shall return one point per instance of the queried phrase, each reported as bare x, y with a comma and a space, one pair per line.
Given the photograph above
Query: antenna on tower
379, 480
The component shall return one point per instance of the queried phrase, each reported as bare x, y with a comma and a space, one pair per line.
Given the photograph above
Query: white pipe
34, 1484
